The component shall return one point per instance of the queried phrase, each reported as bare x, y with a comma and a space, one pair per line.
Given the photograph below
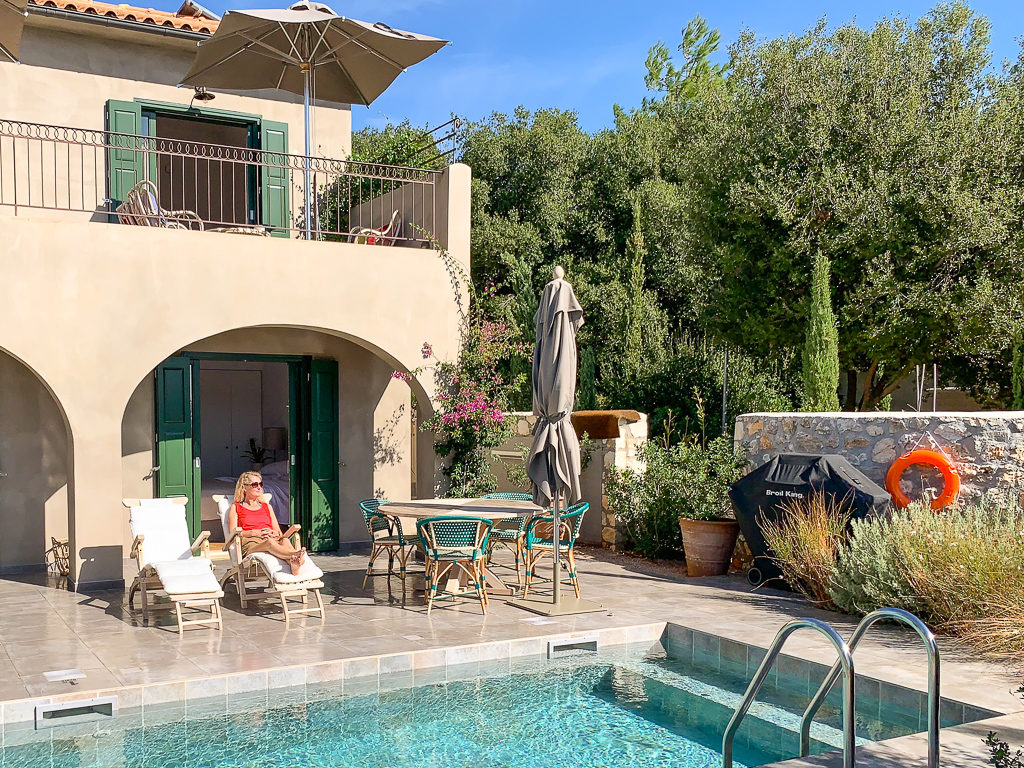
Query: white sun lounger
249, 572
167, 561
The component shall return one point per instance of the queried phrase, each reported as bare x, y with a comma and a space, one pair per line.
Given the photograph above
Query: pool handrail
934, 700
845, 663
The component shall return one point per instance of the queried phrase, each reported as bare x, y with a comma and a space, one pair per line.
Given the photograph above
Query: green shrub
821, 346
952, 568
1001, 754
689, 479
806, 539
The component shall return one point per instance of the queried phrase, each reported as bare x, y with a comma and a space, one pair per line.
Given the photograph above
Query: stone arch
36, 454
376, 441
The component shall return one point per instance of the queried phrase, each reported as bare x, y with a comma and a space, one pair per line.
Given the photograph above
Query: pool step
768, 713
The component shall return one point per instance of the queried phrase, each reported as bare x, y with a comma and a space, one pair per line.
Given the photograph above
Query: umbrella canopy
351, 61
554, 463
12, 22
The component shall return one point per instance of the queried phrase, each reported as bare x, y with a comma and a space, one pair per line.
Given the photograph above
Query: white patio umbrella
12, 22
310, 50
554, 462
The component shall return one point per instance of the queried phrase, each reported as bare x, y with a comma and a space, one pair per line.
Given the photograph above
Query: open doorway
228, 400
243, 425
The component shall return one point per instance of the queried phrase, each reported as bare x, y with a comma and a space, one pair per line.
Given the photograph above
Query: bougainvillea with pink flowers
472, 405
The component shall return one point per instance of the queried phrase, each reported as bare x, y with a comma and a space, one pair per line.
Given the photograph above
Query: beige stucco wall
70, 70
33, 467
88, 309
373, 421
98, 306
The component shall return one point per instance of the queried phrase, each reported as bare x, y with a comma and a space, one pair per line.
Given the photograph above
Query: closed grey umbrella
554, 462
307, 49
12, 22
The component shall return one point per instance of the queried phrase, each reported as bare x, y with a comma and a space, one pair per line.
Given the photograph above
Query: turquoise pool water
625, 709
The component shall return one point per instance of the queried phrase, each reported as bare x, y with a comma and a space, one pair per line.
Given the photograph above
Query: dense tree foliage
689, 227
821, 347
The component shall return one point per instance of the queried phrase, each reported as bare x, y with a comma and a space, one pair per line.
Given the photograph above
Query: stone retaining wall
599, 524
987, 447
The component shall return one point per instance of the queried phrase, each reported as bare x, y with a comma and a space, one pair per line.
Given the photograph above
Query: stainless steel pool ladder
845, 665
927, 638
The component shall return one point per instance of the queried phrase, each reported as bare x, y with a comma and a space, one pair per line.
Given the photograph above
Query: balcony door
222, 187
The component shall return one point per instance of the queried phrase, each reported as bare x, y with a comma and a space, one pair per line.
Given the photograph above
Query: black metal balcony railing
211, 186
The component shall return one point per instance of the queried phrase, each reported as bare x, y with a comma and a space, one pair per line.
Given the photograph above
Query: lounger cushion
281, 572
162, 523
181, 577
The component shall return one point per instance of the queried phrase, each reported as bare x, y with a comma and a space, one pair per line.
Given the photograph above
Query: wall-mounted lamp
201, 94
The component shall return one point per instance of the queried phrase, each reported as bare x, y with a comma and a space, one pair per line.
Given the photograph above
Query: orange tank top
253, 519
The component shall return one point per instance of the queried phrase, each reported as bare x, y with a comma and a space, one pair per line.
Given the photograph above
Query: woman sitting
260, 530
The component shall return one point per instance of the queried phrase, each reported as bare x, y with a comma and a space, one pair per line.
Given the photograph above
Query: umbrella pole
307, 72
557, 541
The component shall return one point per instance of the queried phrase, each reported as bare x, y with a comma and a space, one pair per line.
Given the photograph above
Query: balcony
52, 171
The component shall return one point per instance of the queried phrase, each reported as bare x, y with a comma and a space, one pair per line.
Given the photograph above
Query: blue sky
581, 56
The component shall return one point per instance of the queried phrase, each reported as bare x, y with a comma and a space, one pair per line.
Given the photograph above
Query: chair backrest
570, 521
375, 522
509, 496
443, 534
162, 522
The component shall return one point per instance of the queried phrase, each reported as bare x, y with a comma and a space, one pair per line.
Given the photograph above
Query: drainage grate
73, 712
562, 647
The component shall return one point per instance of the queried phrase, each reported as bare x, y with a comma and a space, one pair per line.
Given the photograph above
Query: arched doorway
35, 445
334, 423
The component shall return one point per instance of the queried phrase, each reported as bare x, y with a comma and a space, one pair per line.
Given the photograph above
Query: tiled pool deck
375, 633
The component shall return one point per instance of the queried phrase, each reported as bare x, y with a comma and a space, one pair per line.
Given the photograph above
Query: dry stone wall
599, 524
987, 447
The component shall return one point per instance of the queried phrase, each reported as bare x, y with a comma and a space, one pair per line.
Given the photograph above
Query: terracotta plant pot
708, 545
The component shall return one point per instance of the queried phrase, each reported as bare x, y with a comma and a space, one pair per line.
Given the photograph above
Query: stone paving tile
100, 631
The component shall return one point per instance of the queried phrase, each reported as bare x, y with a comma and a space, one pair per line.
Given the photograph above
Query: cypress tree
587, 400
821, 349
1017, 373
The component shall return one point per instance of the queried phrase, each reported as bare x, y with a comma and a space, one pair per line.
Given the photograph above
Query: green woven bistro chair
510, 533
538, 541
449, 542
386, 535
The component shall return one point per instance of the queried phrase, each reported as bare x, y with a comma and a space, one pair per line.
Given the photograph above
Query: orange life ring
951, 478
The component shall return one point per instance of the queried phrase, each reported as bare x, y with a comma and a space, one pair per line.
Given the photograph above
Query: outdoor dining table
494, 510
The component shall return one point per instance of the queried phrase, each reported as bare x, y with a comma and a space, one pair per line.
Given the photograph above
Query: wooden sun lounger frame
147, 581
251, 569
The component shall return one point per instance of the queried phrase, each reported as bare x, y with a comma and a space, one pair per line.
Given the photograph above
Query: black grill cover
762, 493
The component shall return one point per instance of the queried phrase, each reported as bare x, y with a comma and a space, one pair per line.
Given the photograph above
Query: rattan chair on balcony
454, 542
141, 207
386, 535
510, 533
539, 541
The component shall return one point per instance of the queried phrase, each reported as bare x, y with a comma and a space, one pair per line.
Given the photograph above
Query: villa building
165, 347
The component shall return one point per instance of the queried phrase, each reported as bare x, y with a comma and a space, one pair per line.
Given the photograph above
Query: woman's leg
284, 550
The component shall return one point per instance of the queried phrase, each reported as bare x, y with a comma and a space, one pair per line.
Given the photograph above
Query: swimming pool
628, 707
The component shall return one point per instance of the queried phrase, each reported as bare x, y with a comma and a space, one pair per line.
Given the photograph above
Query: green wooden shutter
323, 433
176, 451
274, 180
124, 161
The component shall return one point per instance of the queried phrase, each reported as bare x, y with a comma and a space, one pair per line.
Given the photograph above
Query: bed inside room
243, 426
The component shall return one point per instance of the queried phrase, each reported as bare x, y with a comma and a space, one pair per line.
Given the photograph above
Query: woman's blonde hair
244, 479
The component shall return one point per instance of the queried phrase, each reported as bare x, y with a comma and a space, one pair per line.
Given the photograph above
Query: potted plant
256, 454
706, 524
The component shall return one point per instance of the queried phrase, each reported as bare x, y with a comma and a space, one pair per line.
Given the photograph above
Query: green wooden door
124, 160
274, 178
177, 440
323, 455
